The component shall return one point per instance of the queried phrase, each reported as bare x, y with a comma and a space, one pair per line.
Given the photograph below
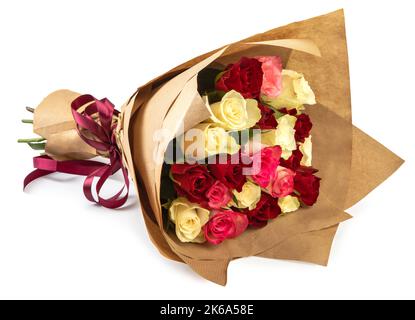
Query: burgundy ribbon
99, 134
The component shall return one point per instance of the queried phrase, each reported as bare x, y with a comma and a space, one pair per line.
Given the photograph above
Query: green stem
27, 121
38, 146
30, 140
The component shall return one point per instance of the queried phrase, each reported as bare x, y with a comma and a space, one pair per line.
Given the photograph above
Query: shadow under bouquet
248, 150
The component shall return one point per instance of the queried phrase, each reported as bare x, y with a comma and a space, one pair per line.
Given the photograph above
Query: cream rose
307, 150
189, 219
234, 113
248, 197
289, 204
283, 136
296, 92
207, 139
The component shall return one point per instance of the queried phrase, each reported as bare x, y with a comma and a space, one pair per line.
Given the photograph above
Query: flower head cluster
247, 184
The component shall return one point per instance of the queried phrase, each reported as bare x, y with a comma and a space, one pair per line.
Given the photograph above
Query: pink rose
218, 195
272, 78
283, 183
264, 165
225, 224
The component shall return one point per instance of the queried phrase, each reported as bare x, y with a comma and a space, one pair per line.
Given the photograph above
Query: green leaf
167, 204
172, 178
167, 190
167, 223
220, 74
277, 114
206, 79
235, 200
215, 96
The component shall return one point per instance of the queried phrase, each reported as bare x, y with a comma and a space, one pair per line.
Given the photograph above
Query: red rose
293, 162
192, 182
224, 224
291, 112
231, 175
267, 120
266, 209
307, 185
245, 76
302, 127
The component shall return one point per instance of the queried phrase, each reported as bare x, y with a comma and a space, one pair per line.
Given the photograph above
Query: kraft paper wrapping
351, 163
342, 152
53, 121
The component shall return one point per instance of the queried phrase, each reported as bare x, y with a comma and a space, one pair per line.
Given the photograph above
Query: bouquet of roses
251, 161
223, 150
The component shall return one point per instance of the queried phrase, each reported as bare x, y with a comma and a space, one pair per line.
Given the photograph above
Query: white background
55, 244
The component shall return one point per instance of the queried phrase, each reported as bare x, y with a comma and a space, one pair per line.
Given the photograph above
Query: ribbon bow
99, 133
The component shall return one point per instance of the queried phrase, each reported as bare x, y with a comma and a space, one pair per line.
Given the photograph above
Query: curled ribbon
99, 134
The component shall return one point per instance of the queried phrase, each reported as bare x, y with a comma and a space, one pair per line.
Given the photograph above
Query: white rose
296, 92
307, 150
289, 204
207, 139
234, 113
283, 136
189, 219
248, 197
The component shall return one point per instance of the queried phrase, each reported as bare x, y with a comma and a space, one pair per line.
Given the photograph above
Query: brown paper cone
329, 77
